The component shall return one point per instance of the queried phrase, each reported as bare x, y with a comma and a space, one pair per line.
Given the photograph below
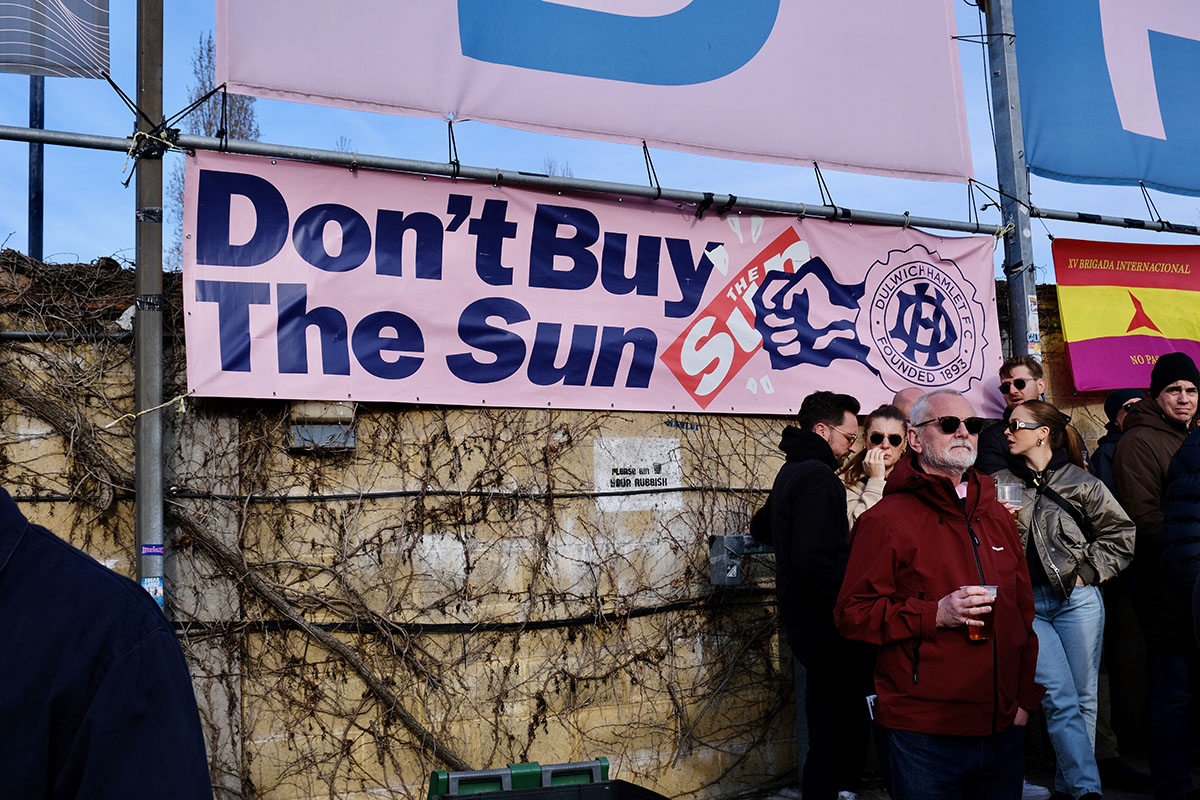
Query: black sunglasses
1017, 382
950, 424
1015, 425
894, 438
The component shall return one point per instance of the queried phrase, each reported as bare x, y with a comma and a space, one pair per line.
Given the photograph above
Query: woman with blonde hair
866, 472
1076, 536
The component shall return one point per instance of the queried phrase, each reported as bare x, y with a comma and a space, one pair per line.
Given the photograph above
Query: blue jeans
1070, 635
929, 766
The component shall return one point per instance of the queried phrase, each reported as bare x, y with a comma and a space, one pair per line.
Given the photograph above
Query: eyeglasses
1130, 404
894, 439
850, 437
1019, 383
1015, 425
950, 424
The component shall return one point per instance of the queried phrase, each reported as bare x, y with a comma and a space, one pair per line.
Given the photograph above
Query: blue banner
1110, 91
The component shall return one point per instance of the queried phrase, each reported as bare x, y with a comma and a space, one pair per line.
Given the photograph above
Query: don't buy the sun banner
1123, 306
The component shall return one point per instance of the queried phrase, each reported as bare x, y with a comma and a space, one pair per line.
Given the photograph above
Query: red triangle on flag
1140, 318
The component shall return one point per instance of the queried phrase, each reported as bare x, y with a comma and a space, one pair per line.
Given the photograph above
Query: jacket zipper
995, 654
917, 649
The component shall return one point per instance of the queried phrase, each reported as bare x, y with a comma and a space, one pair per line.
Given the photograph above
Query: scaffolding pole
562, 184
147, 331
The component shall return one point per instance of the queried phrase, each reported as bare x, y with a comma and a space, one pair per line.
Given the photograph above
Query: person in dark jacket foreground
1154, 430
1076, 537
806, 515
954, 709
96, 701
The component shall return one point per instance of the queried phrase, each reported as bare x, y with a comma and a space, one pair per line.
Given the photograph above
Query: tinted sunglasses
894, 439
1020, 383
950, 424
1017, 425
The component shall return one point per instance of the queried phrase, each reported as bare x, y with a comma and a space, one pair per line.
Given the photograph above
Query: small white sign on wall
629, 470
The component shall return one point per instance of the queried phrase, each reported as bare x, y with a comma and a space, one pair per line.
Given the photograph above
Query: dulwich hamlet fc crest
922, 322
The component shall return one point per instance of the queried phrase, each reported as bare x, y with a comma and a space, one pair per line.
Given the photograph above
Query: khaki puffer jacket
1066, 551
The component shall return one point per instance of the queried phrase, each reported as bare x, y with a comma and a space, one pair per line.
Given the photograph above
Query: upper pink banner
313, 282
871, 86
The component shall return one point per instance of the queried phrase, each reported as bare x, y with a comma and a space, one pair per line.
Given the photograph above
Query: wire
180, 398
651, 173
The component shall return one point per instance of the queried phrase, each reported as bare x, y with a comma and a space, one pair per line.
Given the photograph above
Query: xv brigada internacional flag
1123, 306
1109, 92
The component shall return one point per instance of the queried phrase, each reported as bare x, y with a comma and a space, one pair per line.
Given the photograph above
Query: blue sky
89, 214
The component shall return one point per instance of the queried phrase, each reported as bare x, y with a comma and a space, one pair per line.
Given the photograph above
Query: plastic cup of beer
1013, 494
982, 633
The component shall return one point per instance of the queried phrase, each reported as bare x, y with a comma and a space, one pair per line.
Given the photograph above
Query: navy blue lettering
542, 369
645, 270
490, 230
233, 316
612, 346
292, 339
390, 227
692, 277
216, 189
547, 244
474, 329
368, 343
309, 237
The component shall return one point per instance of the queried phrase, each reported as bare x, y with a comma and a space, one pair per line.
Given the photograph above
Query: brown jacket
1140, 470
1140, 477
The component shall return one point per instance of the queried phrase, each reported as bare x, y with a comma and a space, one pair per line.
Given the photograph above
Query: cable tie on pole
651, 173
705, 204
803, 209
725, 209
496, 182
907, 222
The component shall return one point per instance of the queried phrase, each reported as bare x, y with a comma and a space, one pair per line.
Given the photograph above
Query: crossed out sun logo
923, 322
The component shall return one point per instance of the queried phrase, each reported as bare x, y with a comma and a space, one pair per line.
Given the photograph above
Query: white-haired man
953, 706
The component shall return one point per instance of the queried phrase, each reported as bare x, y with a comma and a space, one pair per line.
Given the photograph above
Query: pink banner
312, 282
870, 86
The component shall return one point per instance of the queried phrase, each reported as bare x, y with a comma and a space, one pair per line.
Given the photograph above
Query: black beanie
1170, 368
1118, 398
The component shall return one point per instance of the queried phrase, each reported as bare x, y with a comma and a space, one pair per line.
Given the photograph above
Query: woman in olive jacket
1076, 536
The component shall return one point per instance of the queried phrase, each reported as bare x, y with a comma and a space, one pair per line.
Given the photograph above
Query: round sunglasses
894, 439
1019, 383
950, 424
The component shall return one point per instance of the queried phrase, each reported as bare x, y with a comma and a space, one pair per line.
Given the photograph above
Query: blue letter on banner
1110, 103
706, 40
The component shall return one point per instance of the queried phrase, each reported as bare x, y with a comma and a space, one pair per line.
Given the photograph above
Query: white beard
958, 456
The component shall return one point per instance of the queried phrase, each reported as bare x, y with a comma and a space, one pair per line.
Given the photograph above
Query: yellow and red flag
1124, 305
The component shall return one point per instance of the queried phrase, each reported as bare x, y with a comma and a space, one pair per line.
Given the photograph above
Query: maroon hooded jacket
915, 546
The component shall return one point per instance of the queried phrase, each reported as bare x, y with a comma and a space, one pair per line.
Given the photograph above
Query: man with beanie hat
1116, 406
1153, 432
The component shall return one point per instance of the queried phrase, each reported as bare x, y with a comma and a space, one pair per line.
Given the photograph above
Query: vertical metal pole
37, 121
1024, 334
148, 453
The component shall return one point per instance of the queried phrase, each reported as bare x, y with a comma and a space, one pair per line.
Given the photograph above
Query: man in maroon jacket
954, 708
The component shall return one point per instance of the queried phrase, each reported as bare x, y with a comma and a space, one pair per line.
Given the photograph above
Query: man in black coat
805, 515
96, 701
